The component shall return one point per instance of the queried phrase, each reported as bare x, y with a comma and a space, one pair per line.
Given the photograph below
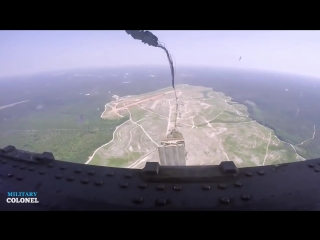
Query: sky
25, 52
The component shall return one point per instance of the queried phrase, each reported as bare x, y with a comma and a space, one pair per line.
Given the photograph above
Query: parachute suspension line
160, 45
148, 38
177, 100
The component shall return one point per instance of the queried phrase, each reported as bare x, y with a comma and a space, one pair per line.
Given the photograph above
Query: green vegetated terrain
60, 117
273, 99
71, 130
114, 161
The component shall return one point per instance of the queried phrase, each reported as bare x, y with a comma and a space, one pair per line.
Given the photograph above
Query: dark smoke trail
148, 38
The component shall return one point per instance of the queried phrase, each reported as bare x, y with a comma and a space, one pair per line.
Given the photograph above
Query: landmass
214, 128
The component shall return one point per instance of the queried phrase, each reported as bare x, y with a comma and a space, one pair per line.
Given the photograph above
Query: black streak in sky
148, 38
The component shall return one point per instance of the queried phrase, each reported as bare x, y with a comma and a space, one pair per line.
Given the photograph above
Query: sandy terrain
214, 127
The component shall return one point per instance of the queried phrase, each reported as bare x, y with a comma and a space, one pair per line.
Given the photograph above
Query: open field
214, 127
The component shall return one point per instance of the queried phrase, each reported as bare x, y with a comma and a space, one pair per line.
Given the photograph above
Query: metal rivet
238, 184
91, 172
316, 170
58, 176
22, 167
142, 185
15, 165
248, 174
138, 200
42, 172
206, 186
98, 183
261, 172
225, 200
311, 165
77, 170
31, 168
20, 178
177, 188
70, 178
161, 202
222, 186
85, 180
110, 174
63, 167
50, 165
59, 191
10, 175
161, 187
128, 175
245, 197
123, 185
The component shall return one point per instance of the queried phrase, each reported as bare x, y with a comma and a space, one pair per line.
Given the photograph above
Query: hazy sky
36, 51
